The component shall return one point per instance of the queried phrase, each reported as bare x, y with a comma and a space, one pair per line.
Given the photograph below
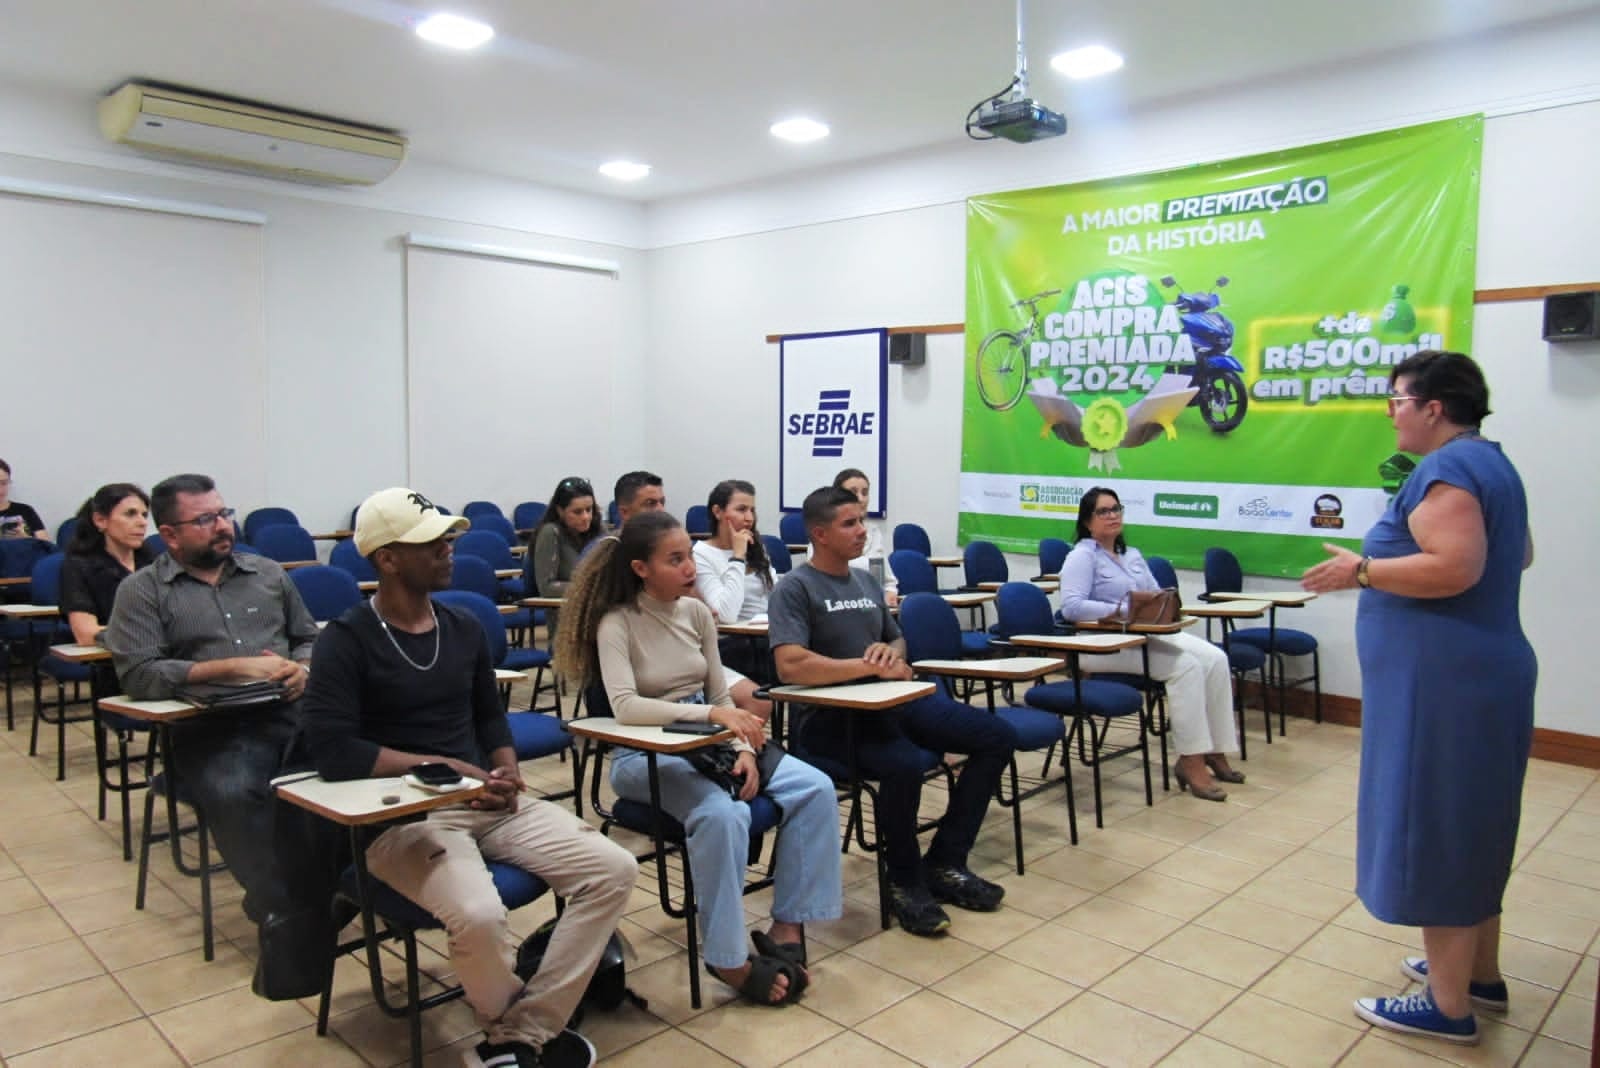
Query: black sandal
757, 985
791, 953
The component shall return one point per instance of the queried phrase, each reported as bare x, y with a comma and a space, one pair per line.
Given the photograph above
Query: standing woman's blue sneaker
1416, 1014
1491, 997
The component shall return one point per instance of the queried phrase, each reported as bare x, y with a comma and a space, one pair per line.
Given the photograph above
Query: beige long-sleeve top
655, 653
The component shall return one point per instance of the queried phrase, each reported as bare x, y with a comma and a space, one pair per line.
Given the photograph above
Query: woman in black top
107, 547
17, 520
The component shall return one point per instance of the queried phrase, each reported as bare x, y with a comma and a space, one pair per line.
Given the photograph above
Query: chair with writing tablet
933, 633
911, 536
1224, 575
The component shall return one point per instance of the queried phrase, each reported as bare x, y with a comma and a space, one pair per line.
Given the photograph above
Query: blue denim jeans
806, 857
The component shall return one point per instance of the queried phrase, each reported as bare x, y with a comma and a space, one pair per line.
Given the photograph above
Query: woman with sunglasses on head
634, 625
1099, 574
569, 524
1447, 688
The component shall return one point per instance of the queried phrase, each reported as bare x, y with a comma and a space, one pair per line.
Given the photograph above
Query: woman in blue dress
1447, 696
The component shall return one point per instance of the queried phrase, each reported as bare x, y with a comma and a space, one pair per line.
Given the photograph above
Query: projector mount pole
1021, 89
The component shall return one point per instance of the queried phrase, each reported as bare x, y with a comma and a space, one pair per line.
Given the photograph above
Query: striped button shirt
165, 620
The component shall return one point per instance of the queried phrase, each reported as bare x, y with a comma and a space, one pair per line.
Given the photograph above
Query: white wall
334, 300
885, 245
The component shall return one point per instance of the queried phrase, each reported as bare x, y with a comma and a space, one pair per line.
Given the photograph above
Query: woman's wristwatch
1363, 579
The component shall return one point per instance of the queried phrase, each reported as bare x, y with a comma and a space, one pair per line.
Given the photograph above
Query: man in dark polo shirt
399, 681
201, 614
829, 624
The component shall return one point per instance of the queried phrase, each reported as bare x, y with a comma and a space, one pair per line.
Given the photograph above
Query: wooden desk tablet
1106, 627
334, 535
946, 561
1047, 584
21, 580
30, 611
1001, 669
649, 738
1287, 599
865, 696
80, 654
542, 602
1080, 643
750, 628
507, 572
357, 802
1228, 610
969, 598
167, 711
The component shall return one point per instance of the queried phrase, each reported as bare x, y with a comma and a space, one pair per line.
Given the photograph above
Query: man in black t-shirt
399, 681
828, 624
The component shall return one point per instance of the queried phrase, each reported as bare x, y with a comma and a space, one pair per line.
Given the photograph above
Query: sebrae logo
831, 423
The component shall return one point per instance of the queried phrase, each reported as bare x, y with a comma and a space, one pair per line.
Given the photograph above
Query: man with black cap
399, 681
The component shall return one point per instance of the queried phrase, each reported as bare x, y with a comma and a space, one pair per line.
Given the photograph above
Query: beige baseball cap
400, 514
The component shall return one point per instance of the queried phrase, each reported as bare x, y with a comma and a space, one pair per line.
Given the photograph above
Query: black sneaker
965, 890
917, 911
567, 1050
488, 1054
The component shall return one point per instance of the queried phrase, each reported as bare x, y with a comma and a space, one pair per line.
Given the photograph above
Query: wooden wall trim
1515, 293
1480, 296
1562, 747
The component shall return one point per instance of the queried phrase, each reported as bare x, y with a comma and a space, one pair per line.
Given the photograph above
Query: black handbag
716, 762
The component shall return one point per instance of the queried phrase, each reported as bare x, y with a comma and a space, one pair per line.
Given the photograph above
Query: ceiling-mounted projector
1011, 113
1021, 120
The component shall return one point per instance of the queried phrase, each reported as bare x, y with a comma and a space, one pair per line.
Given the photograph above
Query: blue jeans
808, 885
892, 748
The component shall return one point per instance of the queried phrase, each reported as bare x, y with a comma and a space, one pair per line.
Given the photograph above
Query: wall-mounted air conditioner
213, 131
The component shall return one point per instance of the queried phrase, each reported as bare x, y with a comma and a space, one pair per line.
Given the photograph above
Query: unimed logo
1187, 505
833, 420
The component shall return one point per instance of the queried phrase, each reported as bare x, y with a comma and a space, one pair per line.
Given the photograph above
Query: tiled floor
1185, 934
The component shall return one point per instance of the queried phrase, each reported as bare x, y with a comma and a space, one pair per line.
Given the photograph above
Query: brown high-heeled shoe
1204, 793
1223, 772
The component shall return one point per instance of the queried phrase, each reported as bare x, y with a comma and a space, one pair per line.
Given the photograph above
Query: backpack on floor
607, 990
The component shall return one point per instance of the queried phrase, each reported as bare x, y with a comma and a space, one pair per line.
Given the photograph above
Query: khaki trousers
439, 864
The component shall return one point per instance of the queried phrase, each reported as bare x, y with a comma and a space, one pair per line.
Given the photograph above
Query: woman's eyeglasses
1108, 512
1400, 398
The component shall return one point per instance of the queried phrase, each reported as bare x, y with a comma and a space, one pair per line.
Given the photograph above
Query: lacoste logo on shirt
852, 604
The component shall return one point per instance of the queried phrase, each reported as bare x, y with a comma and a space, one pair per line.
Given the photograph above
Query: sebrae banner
1213, 343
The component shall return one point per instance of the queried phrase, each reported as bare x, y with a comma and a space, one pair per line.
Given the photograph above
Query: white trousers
1199, 689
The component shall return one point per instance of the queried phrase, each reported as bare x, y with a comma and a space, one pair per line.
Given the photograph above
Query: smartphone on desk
434, 777
693, 726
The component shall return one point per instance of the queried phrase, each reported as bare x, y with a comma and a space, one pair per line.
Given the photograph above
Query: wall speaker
908, 349
1567, 317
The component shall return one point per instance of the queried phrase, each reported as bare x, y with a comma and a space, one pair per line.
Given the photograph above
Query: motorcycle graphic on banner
1251, 405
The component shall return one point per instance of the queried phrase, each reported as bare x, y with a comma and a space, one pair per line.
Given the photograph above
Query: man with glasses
201, 614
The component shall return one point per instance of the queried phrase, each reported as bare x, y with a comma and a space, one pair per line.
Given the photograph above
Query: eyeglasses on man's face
1110, 511
205, 519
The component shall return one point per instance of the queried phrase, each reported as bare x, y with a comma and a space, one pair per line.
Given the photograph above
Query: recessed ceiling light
1090, 61
625, 170
454, 31
800, 130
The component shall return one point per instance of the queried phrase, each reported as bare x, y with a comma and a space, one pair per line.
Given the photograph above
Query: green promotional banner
1214, 343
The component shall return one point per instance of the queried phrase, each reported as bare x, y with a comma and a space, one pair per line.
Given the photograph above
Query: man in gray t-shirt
827, 623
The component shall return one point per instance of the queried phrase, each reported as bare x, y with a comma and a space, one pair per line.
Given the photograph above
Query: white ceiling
690, 86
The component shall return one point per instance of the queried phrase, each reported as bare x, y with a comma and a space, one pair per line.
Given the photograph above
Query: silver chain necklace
384, 623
